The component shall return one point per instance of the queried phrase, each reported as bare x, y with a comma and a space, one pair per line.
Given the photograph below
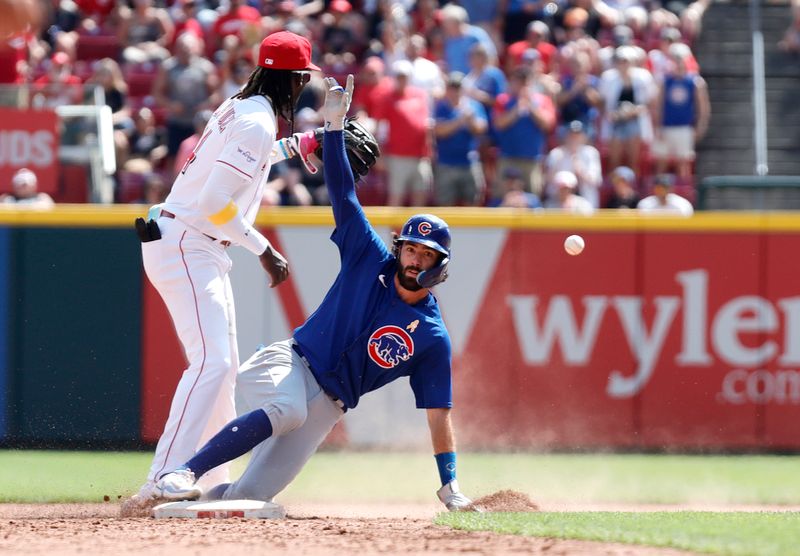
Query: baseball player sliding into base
213, 204
378, 322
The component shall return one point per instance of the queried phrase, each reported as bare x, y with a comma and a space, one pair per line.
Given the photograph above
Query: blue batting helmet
430, 231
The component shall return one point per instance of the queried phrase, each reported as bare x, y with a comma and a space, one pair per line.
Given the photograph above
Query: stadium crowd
571, 104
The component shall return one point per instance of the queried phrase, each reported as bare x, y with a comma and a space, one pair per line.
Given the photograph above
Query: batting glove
452, 498
337, 103
302, 145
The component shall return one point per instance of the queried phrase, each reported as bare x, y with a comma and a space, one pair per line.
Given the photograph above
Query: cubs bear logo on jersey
389, 345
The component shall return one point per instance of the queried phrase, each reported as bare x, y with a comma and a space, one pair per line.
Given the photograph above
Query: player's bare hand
337, 102
275, 264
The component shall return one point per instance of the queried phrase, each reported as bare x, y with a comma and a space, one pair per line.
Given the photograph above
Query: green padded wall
75, 338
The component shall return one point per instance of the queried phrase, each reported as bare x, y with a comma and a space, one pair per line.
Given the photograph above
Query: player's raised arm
353, 149
338, 175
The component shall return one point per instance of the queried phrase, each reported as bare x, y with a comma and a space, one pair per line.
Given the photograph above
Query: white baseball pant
278, 381
190, 272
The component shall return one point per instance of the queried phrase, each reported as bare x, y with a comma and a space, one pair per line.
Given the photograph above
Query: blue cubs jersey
363, 335
679, 101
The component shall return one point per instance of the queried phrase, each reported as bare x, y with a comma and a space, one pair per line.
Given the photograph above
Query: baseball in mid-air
574, 244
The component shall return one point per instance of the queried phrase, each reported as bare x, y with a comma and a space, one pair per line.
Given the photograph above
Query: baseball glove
359, 144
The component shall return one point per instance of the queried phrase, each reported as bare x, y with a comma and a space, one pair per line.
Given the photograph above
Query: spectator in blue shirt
486, 15
460, 37
485, 80
579, 99
522, 119
459, 121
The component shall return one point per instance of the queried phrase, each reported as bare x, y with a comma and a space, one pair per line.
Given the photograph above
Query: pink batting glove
304, 144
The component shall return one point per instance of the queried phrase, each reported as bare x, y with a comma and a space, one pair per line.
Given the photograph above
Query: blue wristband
446, 462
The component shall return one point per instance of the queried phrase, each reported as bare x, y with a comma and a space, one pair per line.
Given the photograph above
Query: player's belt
299, 352
168, 214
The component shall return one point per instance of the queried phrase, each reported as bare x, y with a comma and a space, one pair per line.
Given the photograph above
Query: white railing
759, 91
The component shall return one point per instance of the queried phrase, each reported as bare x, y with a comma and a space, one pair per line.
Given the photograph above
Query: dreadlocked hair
276, 85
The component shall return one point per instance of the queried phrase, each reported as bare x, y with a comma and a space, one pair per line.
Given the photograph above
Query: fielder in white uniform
213, 204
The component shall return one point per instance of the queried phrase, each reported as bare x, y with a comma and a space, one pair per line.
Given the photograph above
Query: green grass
735, 533
43, 476
36, 476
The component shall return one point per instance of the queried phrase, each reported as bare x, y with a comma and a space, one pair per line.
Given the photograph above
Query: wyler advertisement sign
646, 339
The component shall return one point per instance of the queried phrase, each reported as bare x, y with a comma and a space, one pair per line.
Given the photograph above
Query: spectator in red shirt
18, 54
185, 21
425, 16
235, 22
407, 146
13, 58
537, 37
372, 85
59, 85
97, 14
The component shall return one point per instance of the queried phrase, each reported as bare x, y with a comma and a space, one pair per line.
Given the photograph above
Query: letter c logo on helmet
433, 232
424, 228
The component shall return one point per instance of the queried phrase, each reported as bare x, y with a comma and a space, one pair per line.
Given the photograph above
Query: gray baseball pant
277, 380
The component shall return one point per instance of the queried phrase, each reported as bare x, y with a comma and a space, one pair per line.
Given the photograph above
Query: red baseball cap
341, 6
286, 51
60, 58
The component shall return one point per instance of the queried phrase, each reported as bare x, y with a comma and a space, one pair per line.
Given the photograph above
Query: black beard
408, 282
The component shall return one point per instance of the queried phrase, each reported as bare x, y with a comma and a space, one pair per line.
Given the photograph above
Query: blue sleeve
500, 83
432, 379
441, 112
483, 37
339, 178
353, 232
480, 111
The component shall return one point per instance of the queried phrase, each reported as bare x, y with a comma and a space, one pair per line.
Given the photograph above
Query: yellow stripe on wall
120, 216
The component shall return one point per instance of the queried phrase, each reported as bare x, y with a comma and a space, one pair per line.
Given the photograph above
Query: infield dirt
321, 529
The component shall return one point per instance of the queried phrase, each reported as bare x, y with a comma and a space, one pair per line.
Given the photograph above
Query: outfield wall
664, 333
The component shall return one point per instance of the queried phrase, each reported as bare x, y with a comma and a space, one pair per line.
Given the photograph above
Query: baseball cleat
178, 485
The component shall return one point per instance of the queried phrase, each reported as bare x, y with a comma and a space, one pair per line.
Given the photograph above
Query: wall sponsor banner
29, 139
163, 363
647, 339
